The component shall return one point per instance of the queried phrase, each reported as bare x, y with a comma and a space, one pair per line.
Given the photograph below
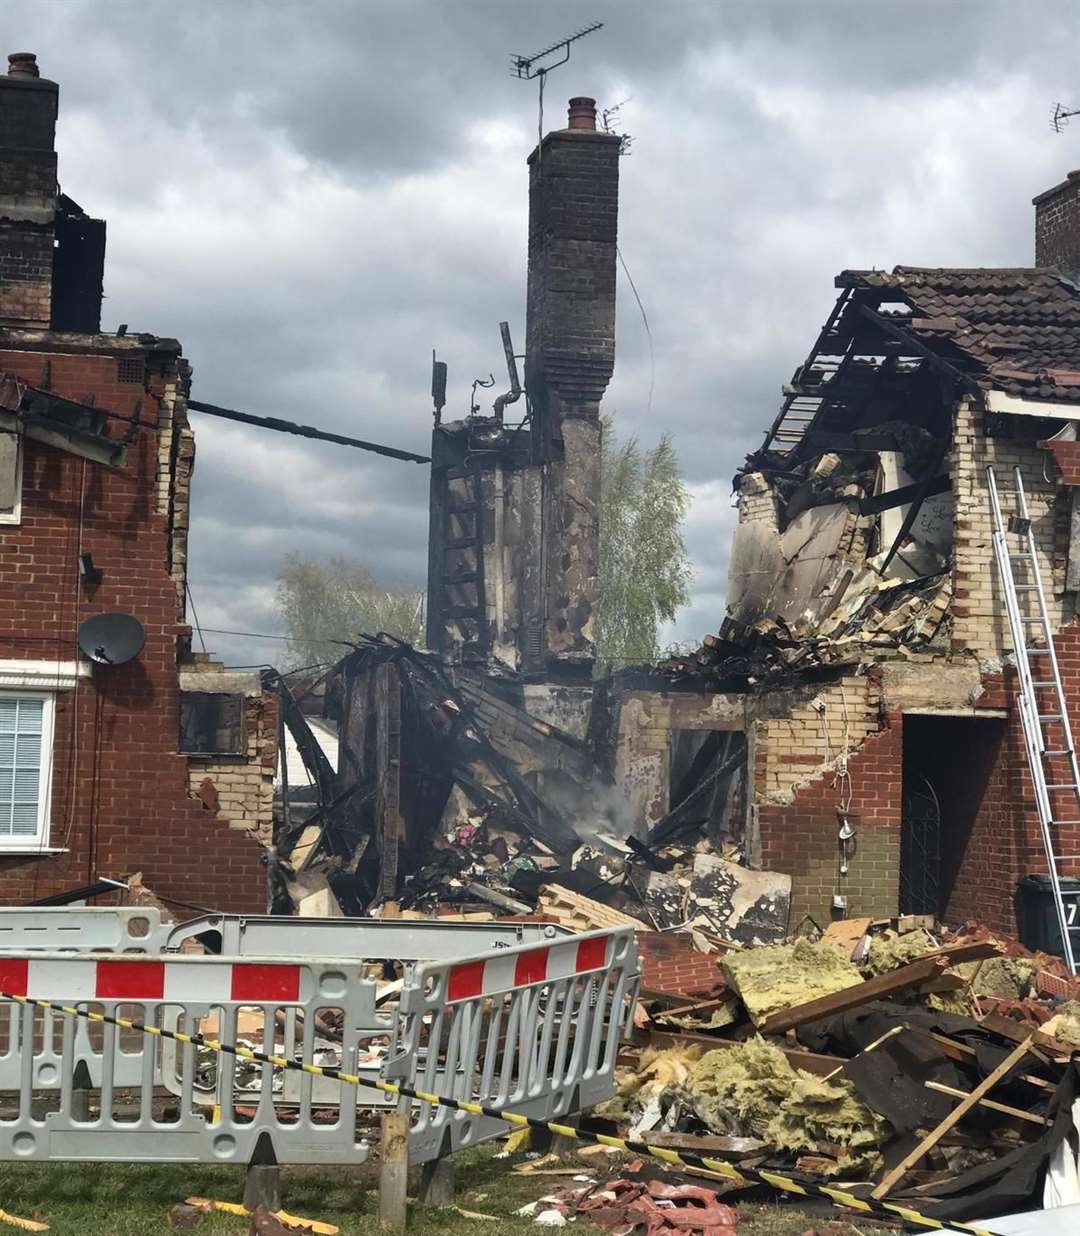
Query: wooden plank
1009, 1029
920, 971
963, 1054
946, 982
954, 1117
705, 1143
810, 1061
848, 932
967, 950
582, 913
393, 1171
993, 1104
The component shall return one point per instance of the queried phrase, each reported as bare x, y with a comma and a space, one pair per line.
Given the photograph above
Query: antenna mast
1060, 116
527, 67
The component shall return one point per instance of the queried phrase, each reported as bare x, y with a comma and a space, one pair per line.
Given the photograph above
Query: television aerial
539, 65
1060, 117
111, 639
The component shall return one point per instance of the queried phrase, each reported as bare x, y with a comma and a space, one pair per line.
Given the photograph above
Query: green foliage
337, 600
644, 570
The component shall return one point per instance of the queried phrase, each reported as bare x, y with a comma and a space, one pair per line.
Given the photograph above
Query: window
26, 731
211, 723
10, 476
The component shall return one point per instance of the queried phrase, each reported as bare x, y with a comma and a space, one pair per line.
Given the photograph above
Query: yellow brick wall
978, 611
799, 746
244, 784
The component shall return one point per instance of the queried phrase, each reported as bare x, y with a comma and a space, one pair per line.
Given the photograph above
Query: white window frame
14, 516
39, 842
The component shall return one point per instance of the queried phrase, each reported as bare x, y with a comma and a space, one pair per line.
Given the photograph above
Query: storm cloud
313, 196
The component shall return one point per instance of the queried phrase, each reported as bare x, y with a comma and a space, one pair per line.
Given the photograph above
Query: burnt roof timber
937, 362
827, 331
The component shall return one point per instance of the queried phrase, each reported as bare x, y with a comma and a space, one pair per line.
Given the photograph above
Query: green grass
81, 1199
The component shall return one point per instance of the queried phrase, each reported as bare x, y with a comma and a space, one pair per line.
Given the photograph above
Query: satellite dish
111, 639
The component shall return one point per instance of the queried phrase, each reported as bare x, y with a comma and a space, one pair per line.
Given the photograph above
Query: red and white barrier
501, 973
70, 980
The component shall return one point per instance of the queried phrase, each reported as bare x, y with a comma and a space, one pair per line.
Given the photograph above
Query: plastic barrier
127, 929
539, 1025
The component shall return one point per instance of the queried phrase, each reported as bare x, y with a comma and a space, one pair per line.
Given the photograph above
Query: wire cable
645, 320
194, 612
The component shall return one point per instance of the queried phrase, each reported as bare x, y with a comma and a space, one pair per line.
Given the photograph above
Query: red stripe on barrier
14, 975
592, 954
466, 981
531, 967
265, 983
130, 980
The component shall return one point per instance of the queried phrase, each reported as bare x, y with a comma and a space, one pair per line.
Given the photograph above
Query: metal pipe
514, 393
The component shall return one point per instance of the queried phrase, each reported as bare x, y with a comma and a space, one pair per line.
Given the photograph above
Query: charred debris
451, 797
843, 551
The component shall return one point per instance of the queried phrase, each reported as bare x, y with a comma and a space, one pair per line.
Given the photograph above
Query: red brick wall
120, 799
1008, 844
801, 837
1067, 457
986, 866
671, 964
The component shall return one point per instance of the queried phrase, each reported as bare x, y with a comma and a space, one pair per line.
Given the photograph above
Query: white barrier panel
532, 1029
128, 929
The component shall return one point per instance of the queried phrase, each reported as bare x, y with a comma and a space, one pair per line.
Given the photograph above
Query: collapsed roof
844, 540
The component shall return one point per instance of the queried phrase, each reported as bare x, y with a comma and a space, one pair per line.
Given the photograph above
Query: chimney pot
582, 114
23, 64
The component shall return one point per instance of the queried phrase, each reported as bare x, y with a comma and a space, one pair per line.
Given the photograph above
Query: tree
319, 602
644, 569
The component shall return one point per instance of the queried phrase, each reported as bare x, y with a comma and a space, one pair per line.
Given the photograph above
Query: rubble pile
452, 799
908, 1062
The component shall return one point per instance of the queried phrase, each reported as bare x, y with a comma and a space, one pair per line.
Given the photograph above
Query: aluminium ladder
1039, 679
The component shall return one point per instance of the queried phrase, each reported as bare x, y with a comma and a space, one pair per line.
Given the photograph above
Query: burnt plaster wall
643, 745
570, 356
1057, 226
28, 107
979, 623
121, 792
511, 519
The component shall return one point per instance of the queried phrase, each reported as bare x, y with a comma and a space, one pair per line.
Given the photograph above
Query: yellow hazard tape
683, 1159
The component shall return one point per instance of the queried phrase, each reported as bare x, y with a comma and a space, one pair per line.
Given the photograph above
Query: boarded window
211, 724
10, 477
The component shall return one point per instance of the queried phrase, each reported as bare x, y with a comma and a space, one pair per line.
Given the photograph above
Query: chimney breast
23, 64
582, 114
570, 354
1057, 226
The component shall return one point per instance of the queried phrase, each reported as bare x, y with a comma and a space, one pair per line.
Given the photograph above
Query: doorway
947, 765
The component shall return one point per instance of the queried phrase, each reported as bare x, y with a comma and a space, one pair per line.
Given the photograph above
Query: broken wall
647, 720
239, 788
800, 837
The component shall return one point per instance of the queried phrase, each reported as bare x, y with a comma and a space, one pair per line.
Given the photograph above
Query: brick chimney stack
28, 104
570, 355
1057, 227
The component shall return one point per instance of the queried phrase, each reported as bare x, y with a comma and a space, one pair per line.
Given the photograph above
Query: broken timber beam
911, 975
954, 1117
993, 1104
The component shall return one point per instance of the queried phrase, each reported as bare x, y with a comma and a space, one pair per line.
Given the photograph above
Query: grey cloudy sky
313, 195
